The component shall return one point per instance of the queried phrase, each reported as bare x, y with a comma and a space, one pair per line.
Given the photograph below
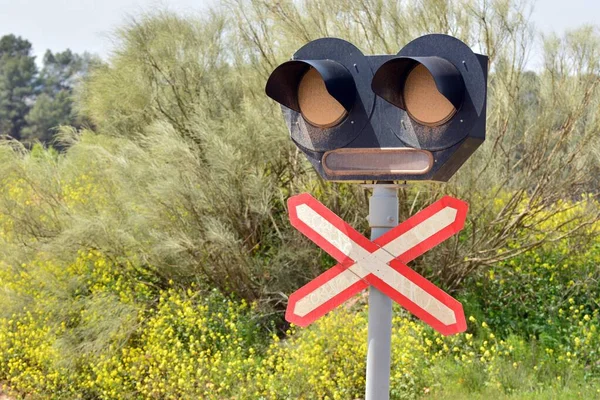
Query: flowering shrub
97, 323
543, 292
207, 347
187, 348
191, 345
28, 360
327, 360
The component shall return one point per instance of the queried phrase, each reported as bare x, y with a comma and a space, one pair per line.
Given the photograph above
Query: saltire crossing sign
381, 263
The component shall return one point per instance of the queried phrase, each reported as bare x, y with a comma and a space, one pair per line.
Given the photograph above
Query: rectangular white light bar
376, 162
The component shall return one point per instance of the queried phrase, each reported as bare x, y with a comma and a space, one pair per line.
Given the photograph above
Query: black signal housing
379, 139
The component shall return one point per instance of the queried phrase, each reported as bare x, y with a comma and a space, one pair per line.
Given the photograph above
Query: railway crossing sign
380, 263
417, 115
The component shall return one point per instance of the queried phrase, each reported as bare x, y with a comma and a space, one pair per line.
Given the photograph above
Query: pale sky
85, 25
80, 25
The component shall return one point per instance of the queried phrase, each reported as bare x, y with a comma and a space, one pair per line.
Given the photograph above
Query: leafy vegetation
33, 105
189, 343
153, 257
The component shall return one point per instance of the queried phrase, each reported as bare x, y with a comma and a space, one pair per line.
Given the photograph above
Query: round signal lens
317, 106
423, 102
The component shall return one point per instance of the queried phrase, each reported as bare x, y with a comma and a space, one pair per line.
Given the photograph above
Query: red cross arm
357, 256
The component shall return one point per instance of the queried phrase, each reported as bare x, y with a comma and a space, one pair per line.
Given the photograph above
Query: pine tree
17, 78
53, 106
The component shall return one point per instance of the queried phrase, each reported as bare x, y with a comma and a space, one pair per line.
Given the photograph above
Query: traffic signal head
417, 115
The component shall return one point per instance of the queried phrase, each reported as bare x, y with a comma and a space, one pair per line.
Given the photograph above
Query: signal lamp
415, 115
316, 105
422, 100
429, 89
322, 91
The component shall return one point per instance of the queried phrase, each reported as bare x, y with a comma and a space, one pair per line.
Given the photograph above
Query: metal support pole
383, 216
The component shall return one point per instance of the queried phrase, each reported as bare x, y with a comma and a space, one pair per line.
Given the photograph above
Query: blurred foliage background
145, 250
33, 101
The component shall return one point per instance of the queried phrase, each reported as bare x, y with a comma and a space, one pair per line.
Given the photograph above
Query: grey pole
383, 216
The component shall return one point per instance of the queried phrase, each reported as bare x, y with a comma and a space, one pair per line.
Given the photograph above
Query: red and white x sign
381, 263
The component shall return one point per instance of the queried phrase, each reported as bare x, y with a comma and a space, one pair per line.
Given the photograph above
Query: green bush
548, 293
97, 329
154, 257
